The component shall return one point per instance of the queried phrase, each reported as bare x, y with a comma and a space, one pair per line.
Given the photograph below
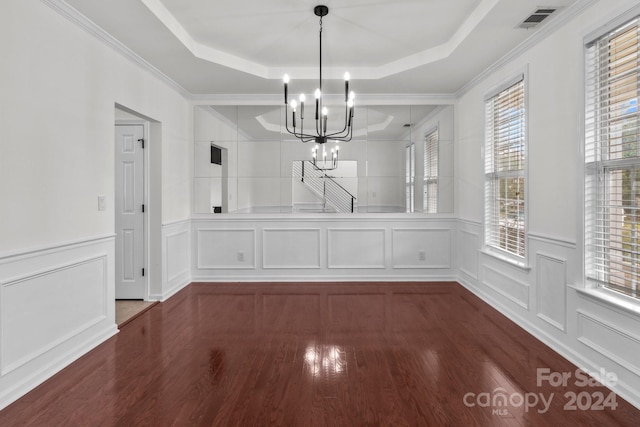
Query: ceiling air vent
539, 15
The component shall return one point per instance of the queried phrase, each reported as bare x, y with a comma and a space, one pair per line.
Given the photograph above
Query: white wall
59, 87
545, 297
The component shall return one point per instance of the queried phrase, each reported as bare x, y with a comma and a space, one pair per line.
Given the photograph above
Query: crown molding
432, 115
545, 31
71, 14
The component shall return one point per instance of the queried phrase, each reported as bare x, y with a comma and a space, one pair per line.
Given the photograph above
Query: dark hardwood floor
323, 354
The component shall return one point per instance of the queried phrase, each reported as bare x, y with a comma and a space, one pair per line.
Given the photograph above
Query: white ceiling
243, 47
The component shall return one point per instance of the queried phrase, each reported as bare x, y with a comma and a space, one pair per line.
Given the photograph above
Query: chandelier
320, 135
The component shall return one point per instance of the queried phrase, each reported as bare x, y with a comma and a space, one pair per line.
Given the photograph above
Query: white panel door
129, 215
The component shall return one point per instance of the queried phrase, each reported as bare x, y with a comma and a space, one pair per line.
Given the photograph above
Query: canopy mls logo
500, 401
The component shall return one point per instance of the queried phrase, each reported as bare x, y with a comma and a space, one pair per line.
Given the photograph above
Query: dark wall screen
216, 155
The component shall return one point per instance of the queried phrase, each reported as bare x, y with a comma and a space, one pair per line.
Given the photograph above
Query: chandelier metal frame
321, 135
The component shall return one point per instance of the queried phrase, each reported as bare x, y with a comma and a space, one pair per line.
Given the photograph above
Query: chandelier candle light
321, 135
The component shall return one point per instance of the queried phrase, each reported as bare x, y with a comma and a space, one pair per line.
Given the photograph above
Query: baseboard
170, 292
307, 278
28, 383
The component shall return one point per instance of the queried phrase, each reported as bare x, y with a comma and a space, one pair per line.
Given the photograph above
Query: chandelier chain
320, 83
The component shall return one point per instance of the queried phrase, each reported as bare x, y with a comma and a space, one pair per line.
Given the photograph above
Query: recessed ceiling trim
441, 51
198, 49
217, 56
362, 99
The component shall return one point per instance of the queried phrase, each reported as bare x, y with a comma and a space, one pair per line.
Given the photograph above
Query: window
410, 153
612, 160
430, 183
505, 170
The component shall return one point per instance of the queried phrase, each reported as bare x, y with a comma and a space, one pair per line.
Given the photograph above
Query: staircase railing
325, 187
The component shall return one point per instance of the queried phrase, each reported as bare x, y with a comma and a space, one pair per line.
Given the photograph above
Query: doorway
129, 205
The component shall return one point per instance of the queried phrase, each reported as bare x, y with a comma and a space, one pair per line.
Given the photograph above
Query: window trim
619, 302
594, 288
496, 252
611, 25
506, 84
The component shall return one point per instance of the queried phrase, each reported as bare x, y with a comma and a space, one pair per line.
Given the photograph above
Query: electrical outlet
102, 204
422, 256
240, 256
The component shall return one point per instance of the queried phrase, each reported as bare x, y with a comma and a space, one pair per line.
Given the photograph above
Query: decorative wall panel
421, 248
610, 340
356, 248
551, 290
468, 253
56, 304
226, 248
177, 259
35, 312
506, 286
291, 248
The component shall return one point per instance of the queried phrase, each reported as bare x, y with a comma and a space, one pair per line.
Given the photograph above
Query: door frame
145, 196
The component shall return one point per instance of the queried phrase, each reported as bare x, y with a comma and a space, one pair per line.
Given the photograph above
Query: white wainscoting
225, 249
551, 290
468, 253
605, 337
56, 304
291, 248
356, 248
506, 285
422, 248
47, 322
176, 259
323, 247
544, 299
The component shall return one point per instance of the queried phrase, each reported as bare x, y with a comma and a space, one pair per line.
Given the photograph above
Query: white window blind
430, 185
612, 160
505, 170
410, 168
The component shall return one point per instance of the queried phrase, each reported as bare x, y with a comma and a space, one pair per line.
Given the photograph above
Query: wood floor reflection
323, 354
